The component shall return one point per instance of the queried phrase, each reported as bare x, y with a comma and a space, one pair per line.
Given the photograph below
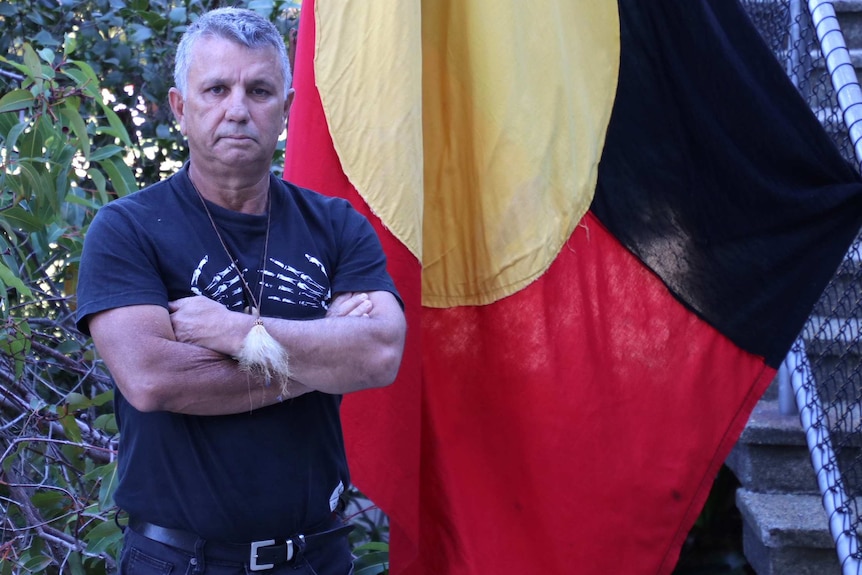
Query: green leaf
108, 485
106, 152
48, 500
104, 536
12, 137
21, 219
8, 120
70, 113
81, 201
107, 423
140, 33
31, 60
45, 38
78, 76
36, 564
107, 477
100, 182
78, 401
262, 7
70, 426
31, 143
85, 78
120, 175
16, 100
34, 17
103, 398
18, 66
178, 15
371, 563
70, 43
74, 561
371, 546
47, 55
119, 130
8, 277
42, 187
10, 234
157, 22
16, 343
60, 166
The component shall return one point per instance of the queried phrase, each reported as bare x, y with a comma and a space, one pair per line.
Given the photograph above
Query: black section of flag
717, 175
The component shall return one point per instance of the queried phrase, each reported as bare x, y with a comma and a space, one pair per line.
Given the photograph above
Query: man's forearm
335, 354
196, 381
341, 355
155, 372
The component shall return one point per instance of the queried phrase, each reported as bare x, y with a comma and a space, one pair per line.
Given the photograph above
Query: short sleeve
361, 262
118, 268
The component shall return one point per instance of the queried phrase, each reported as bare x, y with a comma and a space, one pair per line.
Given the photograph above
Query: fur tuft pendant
261, 354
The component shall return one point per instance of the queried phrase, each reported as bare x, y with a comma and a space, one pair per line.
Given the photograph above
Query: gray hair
239, 25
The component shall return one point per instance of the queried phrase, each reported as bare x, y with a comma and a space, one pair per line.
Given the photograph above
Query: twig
12, 75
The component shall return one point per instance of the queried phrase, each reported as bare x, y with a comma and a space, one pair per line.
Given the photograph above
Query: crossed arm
181, 359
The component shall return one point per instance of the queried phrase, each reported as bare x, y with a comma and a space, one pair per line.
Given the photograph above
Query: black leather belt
258, 555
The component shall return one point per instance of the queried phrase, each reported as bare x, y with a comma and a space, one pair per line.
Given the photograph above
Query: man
230, 466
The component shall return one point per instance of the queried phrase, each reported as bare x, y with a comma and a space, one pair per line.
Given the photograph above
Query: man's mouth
236, 137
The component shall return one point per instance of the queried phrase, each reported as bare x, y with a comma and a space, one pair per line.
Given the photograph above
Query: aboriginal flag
609, 221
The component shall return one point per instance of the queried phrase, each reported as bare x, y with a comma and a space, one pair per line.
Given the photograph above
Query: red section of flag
382, 426
576, 426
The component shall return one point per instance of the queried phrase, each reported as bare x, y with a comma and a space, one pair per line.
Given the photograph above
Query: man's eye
260, 92
216, 90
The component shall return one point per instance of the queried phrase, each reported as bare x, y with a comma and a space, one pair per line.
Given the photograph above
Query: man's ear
288, 101
175, 98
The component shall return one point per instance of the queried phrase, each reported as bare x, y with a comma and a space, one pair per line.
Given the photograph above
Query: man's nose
237, 107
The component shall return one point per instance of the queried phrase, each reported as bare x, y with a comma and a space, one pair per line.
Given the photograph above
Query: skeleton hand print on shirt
283, 283
303, 288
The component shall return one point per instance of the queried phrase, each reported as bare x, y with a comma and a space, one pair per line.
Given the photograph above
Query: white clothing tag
333, 499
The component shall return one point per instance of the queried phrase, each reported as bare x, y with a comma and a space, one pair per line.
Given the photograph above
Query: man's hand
349, 304
201, 321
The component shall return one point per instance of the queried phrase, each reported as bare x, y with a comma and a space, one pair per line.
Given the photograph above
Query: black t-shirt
272, 472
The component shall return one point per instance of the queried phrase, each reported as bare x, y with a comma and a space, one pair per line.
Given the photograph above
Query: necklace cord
256, 302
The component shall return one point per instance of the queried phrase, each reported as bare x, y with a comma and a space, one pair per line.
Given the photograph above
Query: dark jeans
142, 556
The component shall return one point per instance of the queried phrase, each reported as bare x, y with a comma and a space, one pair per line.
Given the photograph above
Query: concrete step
834, 346
842, 293
832, 336
771, 455
849, 14
785, 528
786, 534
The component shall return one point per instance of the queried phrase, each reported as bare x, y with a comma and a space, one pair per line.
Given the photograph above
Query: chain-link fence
787, 28
824, 367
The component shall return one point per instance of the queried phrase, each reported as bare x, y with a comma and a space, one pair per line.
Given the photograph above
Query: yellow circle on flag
472, 129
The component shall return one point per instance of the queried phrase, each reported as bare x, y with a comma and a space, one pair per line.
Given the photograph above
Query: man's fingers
363, 309
350, 305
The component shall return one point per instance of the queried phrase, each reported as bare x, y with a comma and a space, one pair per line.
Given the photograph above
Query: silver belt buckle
253, 565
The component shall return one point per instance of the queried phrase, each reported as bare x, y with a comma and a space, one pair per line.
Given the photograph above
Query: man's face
234, 108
